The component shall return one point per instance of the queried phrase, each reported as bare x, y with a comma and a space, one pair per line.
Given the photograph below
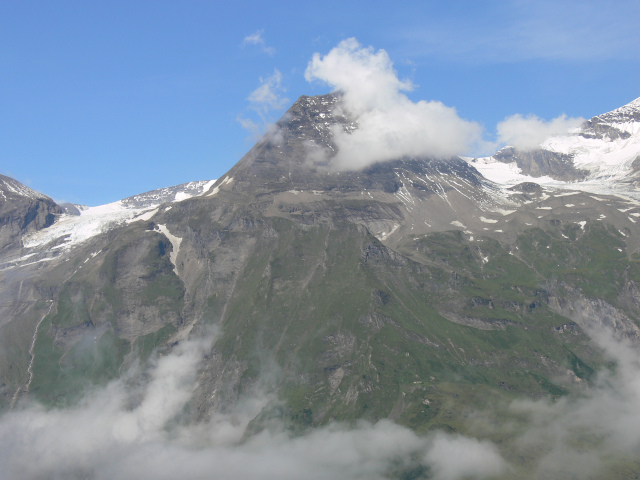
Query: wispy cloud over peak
257, 39
268, 97
390, 125
528, 132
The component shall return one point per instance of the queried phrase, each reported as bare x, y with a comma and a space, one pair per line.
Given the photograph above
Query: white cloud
134, 428
390, 125
257, 39
453, 457
252, 127
527, 133
269, 96
578, 435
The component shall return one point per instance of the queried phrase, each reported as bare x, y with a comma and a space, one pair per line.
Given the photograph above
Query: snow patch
605, 159
507, 174
226, 181
208, 185
384, 235
143, 216
182, 196
175, 243
79, 228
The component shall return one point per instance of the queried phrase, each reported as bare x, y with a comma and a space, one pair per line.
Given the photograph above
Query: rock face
339, 295
540, 163
596, 315
23, 211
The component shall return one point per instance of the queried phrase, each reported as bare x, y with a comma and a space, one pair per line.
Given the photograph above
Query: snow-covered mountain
74, 224
602, 156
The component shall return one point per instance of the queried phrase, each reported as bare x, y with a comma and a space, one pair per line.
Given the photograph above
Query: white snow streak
175, 243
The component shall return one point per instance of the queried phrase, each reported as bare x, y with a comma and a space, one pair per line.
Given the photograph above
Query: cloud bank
135, 428
528, 132
579, 436
390, 125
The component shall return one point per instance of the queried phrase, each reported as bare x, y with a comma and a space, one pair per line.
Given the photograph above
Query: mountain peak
23, 210
619, 123
297, 155
629, 108
13, 189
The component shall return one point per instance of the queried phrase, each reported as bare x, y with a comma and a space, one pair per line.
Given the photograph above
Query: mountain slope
415, 290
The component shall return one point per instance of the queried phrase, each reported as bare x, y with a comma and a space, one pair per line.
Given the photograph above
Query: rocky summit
444, 294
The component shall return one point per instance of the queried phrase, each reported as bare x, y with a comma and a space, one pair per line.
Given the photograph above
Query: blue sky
101, 100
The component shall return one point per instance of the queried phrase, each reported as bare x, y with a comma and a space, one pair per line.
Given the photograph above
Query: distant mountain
72, 224
621, 123
601, 156
432, 292
176, 193
23, 211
